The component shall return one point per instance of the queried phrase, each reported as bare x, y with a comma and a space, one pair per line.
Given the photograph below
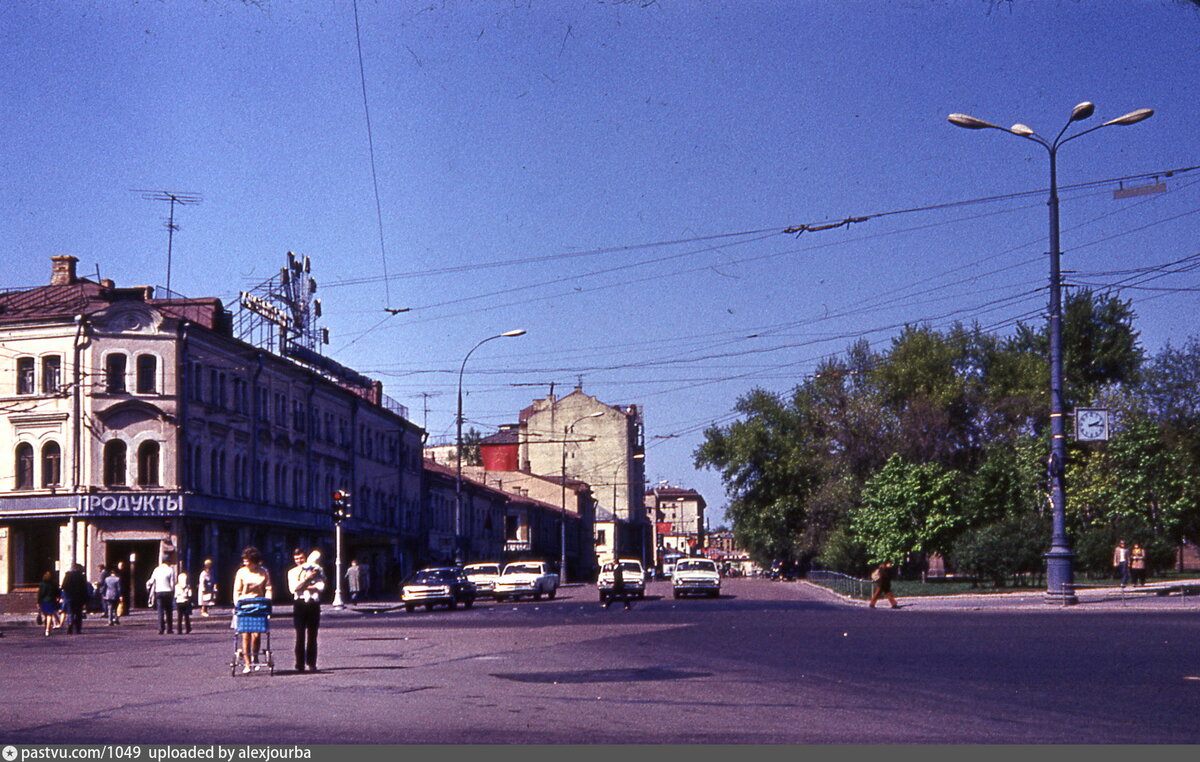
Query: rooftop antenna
174, 198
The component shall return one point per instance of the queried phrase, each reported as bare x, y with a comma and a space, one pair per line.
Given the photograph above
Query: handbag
876, 575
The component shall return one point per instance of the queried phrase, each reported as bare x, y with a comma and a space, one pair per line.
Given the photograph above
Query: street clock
1091, 424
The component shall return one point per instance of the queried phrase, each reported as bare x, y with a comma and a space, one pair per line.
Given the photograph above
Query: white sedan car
532, 578
484, 575
696, 576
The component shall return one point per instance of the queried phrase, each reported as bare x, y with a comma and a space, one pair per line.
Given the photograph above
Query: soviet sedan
531, 578
696, 576
484, 574
441, 586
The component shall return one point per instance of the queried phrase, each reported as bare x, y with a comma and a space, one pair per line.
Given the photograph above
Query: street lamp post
562, 517
458, 420
1060, 583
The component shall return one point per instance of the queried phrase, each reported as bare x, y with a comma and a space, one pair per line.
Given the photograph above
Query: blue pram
252, 615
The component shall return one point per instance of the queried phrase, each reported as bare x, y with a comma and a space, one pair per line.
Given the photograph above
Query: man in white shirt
306, 580
162, 591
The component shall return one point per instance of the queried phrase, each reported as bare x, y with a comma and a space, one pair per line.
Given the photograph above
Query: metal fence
840, 583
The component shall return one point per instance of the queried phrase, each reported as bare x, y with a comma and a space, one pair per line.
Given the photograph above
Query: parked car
696, 576
484, 574
631, 574
446, 586
532, 578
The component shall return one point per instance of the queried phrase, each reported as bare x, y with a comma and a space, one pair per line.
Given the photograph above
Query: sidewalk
1173, 596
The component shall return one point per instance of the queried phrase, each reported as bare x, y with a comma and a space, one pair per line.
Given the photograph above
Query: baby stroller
252, 615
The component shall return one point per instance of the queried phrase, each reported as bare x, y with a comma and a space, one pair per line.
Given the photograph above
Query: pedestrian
1121, 562
48, 611
306, 581
1137, 564
882, 577
207, 587
354, 580
102, 572
161, 587
110, 595
618, 590
183, 603
75, 594
124, 574
251, 581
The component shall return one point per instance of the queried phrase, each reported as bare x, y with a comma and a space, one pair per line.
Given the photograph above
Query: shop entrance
140, 557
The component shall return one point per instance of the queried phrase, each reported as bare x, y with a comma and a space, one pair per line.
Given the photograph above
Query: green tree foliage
907, 508
1003, 548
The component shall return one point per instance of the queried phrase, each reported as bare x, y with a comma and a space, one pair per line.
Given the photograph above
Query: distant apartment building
139, 428
579, 437
677, 515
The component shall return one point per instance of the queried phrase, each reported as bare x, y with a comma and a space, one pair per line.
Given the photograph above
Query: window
114, 461
51, 465
25, 375
148, 454
24, 468
51, 374
147, 374
114, 374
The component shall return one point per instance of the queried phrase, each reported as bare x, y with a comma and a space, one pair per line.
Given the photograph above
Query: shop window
25, 371
148, 457
51, 374
51, 465
114, 463
24, 470
114, 374
147, 374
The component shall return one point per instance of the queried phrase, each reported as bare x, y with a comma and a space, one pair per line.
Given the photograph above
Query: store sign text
134, 505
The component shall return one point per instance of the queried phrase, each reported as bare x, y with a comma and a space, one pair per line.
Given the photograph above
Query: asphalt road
767, 663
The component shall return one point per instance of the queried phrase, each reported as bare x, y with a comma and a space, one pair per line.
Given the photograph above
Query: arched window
147, 374
51, 465
114, 463
148, 453
24, 468
114, 373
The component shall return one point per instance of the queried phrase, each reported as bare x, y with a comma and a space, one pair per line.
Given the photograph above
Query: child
183, 602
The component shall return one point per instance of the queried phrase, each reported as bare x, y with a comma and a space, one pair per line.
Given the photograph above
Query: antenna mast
174, 198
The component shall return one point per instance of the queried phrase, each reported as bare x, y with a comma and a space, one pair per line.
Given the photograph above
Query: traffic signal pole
341, 512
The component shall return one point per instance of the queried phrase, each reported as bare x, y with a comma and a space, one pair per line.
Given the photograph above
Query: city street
767, 663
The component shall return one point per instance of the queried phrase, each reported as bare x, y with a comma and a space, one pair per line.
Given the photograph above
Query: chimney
62, 270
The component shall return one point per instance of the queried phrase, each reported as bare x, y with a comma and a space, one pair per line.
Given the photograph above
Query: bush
842, 553
1002, 549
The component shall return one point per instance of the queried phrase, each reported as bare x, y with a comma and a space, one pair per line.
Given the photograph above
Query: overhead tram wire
362, 77
772, 233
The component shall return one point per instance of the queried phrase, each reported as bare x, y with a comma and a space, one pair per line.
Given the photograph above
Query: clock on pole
1091, 424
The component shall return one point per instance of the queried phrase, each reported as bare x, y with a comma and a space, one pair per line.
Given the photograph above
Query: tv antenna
174, 198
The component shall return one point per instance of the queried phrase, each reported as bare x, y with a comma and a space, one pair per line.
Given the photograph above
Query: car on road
440, 586
632, 576
531, 578
484, 574
696, 576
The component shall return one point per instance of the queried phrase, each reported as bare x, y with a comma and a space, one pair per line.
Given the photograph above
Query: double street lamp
562, 518
1060, 584
458, 420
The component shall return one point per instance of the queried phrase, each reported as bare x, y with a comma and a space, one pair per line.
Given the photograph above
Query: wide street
767, 663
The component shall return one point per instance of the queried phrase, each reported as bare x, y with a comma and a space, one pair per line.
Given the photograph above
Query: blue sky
613, 177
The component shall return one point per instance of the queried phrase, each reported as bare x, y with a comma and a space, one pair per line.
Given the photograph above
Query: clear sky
614, 177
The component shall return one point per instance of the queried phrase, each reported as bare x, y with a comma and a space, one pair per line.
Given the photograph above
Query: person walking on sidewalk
251, 581
75, 594
183, 602
306, 580
1121, 562
882, 577
354, 580
162, 591
48, 592
1137, 564
111, 594
207, 587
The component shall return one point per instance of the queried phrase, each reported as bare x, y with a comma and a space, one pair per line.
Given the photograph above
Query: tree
907, 508
1001, 549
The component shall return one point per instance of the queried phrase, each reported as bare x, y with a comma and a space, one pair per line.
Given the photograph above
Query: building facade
138, 427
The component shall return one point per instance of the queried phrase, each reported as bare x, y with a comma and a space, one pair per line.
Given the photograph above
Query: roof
502, 437
85, 297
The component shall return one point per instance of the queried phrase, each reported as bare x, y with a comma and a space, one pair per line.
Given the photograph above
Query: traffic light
341, 505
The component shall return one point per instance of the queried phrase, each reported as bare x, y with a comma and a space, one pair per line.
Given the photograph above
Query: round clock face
1091, 424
